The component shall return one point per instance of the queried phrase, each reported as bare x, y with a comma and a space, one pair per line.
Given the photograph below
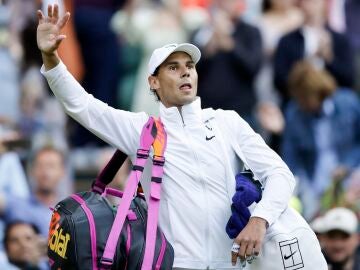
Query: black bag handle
108, 173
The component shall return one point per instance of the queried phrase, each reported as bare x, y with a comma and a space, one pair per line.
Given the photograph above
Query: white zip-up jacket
202, 157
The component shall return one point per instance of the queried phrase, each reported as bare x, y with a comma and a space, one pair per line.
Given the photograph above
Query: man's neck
317, 22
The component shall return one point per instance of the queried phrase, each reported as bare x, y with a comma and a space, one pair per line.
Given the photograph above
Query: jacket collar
191, 114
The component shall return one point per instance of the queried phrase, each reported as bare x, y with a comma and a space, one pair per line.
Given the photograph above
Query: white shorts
298, 250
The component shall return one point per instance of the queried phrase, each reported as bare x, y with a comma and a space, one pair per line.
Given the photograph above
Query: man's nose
185, 73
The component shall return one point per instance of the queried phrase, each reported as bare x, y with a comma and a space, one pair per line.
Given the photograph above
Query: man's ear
153, 82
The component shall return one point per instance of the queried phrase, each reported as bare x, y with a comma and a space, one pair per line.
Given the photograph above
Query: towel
247, 192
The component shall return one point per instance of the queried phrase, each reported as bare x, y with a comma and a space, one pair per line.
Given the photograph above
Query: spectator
279, 18
146, 27
340, 239
9, 56
232, 54
313, 146
314, 41
101, 59
12, 182
24, 247
352, 11
47, 172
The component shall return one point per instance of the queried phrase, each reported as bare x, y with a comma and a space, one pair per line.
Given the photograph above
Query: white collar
190, 114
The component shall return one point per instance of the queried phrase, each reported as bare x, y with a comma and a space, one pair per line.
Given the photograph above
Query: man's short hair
14, 223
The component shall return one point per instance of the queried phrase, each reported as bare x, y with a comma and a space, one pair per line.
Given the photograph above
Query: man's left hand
250, 240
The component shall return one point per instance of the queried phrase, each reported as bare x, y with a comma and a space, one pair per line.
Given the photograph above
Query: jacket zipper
203, 183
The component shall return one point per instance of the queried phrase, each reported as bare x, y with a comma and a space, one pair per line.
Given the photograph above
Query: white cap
159, 55
339, 218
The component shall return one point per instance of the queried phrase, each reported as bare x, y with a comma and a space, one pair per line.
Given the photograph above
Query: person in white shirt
204, 147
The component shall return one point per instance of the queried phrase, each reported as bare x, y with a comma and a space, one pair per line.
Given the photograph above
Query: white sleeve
117, 127
269, 168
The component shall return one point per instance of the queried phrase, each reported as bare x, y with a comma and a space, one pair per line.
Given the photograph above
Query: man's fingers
249, 251
257, 248
59, 39
64, 20
56, 13
50, 11
234, 252
40, 16
243, 247
234, 257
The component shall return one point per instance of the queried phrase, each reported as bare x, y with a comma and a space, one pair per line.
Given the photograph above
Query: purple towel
246, 193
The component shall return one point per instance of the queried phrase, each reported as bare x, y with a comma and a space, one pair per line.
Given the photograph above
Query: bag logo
57, 241
291, 255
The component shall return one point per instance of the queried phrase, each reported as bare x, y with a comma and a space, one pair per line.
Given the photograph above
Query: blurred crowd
290, 68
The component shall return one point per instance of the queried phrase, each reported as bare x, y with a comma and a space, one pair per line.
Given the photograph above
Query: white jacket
201, 161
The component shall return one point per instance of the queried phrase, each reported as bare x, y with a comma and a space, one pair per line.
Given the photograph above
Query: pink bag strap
148, 136
159, 147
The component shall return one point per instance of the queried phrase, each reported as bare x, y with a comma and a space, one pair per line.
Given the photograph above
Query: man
47, 172
315, 41
232, 55
24, 247
198, 182
338, 230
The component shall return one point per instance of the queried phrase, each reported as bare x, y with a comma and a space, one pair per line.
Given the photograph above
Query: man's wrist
261, 221
50, 60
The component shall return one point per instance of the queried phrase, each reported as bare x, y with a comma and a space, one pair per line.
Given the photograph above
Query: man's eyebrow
176, 63
171, 63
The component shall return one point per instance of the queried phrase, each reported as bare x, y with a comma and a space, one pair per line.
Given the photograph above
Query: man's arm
117, 127
277, 179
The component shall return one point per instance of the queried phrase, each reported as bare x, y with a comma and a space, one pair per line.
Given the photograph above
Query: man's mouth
185, 86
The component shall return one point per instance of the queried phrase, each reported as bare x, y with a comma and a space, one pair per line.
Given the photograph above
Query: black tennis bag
87, 232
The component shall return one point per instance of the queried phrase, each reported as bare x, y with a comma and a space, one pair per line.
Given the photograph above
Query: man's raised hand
48, 30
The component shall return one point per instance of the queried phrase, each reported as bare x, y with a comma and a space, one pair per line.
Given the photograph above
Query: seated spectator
24, 247
340, 239
321, 140
47, 172
12, 181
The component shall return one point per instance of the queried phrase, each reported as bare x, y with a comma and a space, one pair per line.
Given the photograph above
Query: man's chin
188, 100
340, 261
45, 191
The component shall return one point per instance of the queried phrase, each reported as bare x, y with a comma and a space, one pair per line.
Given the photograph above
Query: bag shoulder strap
159, 146
153, 134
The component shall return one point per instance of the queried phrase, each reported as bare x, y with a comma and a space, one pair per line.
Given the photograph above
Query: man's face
339, 246
48, 170
22, 244
177, 80
233, 8
312, 8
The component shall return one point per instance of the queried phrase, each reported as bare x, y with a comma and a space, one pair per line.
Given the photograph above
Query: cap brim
190, 49
156, 60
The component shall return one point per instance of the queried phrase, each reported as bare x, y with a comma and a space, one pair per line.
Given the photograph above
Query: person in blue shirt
322, 135
47, 172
